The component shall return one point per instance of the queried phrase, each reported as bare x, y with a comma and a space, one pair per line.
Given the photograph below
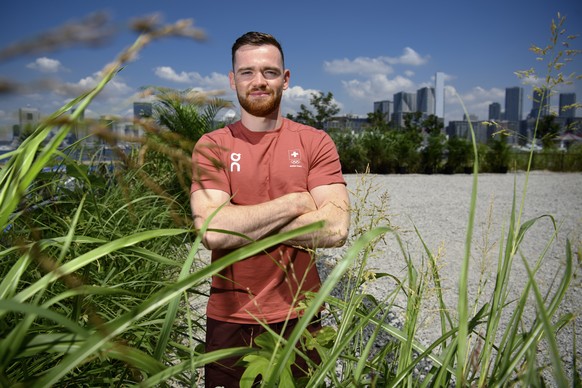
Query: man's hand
333, 207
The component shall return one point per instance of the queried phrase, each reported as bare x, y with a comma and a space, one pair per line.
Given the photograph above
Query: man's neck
261, 124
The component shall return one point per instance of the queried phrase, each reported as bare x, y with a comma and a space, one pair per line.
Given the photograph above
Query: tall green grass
97, 280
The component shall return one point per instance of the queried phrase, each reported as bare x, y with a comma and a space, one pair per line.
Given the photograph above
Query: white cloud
297, 95
227, 115
46, 65
378, 65
214, 81
375, 76
114, 96
360, 65
167, 73
116, 86
480, 94
476, 102
378, 87
91, 114
411, 57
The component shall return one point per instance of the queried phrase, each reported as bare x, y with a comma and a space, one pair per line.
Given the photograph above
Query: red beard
261, 107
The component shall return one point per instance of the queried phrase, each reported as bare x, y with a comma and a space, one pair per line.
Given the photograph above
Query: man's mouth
259, 93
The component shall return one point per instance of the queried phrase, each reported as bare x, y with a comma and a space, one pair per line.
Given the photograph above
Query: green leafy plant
97, 280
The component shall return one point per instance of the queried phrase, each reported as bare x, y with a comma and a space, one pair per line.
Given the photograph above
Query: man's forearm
333, 207
334, 232
252, 221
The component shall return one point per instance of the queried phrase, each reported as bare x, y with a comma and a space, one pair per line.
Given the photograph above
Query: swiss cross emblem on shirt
294, 157
294, 154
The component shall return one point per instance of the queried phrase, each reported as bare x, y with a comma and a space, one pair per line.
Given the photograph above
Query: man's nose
259, 79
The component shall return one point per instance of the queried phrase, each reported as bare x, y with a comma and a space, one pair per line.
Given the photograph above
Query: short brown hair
254, 38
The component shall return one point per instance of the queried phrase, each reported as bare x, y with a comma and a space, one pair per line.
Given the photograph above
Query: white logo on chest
234, 162
294, 158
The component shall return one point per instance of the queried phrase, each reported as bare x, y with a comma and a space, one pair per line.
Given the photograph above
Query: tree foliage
378, 120
547, 131
498, 154
189, 113
459, 155
180, 118
323, 106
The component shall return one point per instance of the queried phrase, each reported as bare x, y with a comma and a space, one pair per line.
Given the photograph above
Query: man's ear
286, 77
231, 79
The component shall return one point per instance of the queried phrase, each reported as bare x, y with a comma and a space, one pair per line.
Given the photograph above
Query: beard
261, 107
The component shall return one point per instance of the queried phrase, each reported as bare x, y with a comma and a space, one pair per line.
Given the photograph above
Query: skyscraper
514, 104
495, 111
567, 100
28, 118
425, 100
384, 107
404, 102
540, 103
439, 95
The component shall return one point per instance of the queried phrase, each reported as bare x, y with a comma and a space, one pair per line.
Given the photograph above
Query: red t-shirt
255, 167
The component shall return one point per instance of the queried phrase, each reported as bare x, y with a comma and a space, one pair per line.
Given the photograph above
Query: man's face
259, 79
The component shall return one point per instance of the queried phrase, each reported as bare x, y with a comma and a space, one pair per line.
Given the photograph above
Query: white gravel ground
438, 205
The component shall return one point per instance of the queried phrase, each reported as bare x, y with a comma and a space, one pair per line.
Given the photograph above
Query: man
274, 175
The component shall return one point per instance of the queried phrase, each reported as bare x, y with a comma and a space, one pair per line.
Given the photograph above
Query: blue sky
361, 51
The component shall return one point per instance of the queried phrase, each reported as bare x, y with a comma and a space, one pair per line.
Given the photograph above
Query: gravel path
438, 206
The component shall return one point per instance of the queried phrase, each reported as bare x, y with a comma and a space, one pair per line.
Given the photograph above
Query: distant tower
439, 95
567, 99
28, 117
495, 111
80, 127
425, 100
384, 107
514, 104
404, 102
540, 103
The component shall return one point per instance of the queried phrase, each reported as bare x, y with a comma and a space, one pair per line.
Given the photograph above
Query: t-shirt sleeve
208, 170
325, 168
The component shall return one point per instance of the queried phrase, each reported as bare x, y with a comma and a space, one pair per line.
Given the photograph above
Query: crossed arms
328, 203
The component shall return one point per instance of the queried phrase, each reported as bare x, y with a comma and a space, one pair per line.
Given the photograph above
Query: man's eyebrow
243, 68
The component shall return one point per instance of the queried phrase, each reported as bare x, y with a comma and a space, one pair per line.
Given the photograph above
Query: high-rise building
425, 100
514, 103
404, 102
495, 111
80, 128
462, 129
540, 103
567, 101
28, 117
439, 95
383, 107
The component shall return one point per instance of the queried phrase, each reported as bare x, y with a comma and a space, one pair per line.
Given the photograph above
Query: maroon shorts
224, 335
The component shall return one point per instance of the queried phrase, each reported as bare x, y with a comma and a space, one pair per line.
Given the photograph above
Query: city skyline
424, 101
368, 59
